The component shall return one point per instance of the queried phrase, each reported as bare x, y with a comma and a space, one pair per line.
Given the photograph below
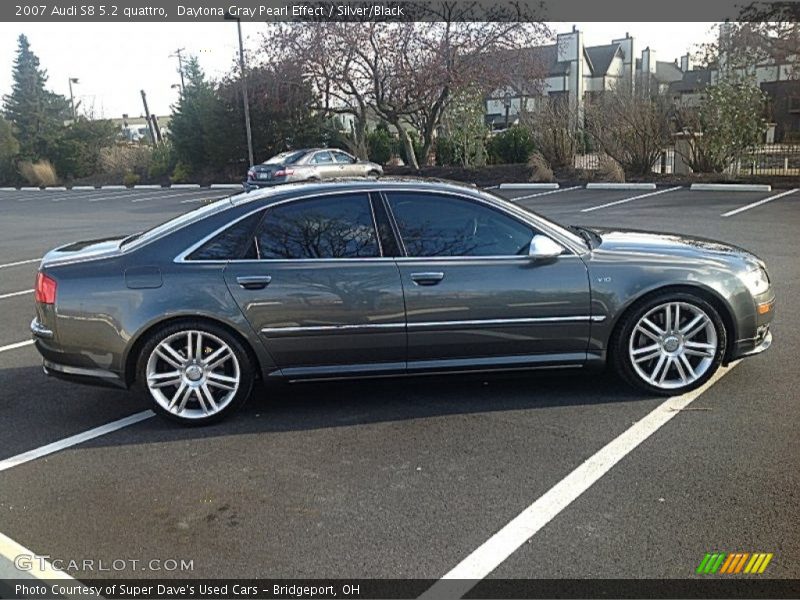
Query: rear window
286, 158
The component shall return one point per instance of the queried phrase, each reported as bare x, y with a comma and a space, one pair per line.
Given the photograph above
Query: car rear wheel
670, 344
195, 373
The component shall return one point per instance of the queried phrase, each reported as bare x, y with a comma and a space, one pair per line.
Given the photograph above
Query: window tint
434, 225
341, 157
322, 158
233, 243
332, 227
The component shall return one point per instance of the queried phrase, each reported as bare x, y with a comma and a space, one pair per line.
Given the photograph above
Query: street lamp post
507, 104
245, 101
71, 97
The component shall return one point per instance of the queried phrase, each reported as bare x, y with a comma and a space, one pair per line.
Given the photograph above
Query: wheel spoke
171, 357
689, 368
220, 361
189, 354
199, 346
159, 380
653, 326
186, 395
668, 318
222, 381
680, 370
211, 357
677, 324
157, 376
209, 397
176, 396
647, 333
200, 400
698, 328
700, 345
659, 364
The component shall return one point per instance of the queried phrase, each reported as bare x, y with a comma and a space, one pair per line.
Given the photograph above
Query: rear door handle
427, 278
254, 282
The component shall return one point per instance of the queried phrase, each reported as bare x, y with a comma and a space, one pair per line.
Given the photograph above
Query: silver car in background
309, 164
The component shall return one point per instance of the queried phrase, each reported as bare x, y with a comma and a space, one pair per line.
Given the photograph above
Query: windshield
286, 158
192, 216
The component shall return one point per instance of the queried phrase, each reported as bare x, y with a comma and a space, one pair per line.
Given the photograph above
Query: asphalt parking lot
388, 479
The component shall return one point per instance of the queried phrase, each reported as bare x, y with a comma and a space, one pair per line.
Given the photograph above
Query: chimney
686, 62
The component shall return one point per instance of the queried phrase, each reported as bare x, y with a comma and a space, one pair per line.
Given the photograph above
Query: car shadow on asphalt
282, 407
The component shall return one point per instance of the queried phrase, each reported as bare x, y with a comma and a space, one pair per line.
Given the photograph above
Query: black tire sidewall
621, 359
245, 370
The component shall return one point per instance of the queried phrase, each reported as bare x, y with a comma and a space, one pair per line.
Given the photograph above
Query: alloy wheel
193, 374
673, 345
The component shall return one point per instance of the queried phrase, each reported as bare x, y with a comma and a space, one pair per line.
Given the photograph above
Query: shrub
381, 145
162, 161
610, 170
41, 173
121, 159
130, 179
180, 174
540, 169
513, 145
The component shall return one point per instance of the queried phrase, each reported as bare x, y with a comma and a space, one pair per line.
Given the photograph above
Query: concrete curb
528, 186
731, 187
56, 189
8, 189
113, 187
620, 186
84, 188
29, 189
185, 186
226, 186
147, 187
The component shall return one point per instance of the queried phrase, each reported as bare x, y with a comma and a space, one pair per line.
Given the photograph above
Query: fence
769, 159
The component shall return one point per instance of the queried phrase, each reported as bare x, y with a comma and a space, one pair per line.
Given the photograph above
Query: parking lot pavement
406, 479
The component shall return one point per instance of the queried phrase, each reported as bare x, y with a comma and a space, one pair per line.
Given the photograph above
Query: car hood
634, 241
84, 250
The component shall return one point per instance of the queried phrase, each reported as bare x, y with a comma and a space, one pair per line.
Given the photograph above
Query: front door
321, 295
474, 297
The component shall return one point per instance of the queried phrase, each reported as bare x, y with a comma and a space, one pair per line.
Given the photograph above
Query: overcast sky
113, 61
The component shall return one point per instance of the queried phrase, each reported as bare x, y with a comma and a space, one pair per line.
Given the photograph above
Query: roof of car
342, 184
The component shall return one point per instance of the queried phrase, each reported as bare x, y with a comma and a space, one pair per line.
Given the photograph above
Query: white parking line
40, 568
730, 213
16, 345
543, 193
74, 440
187, 192
190, 200
487, 557
20, 262
12, 294
624, 200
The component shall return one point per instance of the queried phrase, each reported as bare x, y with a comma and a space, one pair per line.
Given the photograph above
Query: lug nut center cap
194, 373
671, 344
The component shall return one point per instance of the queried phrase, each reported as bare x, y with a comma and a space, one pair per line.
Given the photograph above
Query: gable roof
691, 81
667, 72
601, 57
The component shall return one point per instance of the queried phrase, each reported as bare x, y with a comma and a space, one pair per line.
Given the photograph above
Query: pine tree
36, 114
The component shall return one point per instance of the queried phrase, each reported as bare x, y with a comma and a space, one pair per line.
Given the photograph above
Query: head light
756, 280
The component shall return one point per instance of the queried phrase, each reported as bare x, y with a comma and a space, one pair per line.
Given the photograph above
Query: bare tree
631, 128
552, 123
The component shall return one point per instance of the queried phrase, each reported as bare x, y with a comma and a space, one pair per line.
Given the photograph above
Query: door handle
427, 278
255, 282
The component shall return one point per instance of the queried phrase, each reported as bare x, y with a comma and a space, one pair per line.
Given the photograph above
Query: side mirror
543, 247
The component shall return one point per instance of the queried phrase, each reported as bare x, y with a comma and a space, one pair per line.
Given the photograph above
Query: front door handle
427, 278
255, 282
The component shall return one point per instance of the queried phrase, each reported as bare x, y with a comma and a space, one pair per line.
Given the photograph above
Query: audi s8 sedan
310, 164
350, 279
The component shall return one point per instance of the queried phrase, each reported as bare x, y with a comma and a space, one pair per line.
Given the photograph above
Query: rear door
319, 291
474, 297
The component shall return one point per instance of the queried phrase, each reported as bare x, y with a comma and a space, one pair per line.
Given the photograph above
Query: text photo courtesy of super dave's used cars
247, 353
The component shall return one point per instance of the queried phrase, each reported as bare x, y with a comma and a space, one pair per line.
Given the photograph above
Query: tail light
251, 174
284, 172
45, 289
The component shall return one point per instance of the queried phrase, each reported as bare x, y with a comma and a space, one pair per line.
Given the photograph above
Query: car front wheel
670, 345
195, 373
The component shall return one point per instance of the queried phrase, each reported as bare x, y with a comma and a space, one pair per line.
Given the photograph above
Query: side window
235, 242
322, 158
341, 157
333, 227
438, 225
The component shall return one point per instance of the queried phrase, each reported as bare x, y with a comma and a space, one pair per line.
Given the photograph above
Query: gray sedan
311, 164
390, 277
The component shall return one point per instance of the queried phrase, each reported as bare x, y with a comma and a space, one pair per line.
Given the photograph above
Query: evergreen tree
9, 148
36, 114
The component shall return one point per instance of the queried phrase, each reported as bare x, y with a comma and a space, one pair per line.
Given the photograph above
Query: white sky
113, 61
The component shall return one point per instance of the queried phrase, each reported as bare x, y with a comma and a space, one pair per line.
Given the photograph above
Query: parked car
310, 164
388, 277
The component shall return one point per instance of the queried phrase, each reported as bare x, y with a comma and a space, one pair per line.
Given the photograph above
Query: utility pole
150, 125
71, 97
180, 65
246, 102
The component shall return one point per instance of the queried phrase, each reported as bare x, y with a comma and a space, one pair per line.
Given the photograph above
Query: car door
320, 293
473, 295
324, 165
348, 166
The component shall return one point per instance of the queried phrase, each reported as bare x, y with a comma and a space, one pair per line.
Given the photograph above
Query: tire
373, 174
669, 360
194, 389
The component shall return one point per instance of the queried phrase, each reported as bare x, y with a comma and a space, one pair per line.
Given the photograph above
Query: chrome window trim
429, 324
524, 216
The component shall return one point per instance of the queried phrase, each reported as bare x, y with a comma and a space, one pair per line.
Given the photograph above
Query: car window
322, 158
233, 243
341, 157
286, 158
438, 225
338, 226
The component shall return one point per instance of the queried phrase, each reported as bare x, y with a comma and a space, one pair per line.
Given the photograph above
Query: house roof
667, 72
600, 57
691, 81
